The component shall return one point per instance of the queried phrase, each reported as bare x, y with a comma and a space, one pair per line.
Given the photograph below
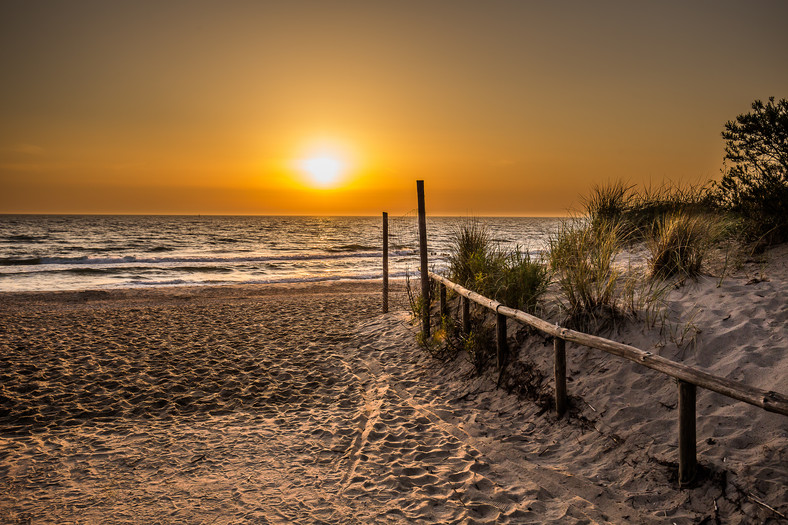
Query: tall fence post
425, 278
443, 305
500, 329
385, 262
687, 439
559, 345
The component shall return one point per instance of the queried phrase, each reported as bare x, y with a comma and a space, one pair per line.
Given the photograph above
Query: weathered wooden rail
688, 378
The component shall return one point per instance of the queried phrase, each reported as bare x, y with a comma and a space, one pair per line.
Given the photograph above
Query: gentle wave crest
159, 260
91, 252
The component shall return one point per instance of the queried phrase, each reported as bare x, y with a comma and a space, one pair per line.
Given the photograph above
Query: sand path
187, 408
236, 405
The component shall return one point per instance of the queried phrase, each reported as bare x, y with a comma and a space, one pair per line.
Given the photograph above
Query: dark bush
755, 179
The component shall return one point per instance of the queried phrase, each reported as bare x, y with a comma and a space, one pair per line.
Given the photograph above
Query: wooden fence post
500, 329
425, 277
443, 306
559, 345
687, 439
385, 262
466, 314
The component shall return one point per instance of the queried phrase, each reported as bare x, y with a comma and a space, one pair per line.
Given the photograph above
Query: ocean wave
119, 270
225, 240
50, 253
351, 248
99, 261
90, 249
138, 283
20, 261
26, 238
171, 282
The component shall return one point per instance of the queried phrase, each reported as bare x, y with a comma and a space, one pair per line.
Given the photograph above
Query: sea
89, 252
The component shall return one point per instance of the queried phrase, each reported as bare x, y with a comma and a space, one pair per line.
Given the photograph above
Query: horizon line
411, 213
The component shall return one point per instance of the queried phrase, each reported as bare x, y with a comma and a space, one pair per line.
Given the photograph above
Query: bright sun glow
325, 163
323, 171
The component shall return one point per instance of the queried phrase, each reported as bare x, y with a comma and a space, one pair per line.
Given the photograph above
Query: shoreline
393, 277
200, 291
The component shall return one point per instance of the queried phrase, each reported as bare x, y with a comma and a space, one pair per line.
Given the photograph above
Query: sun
325, 163
323, 171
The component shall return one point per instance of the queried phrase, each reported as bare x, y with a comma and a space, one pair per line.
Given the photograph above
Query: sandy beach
305, 404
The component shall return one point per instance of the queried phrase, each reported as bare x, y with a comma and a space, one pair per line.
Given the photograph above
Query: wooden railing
688, 377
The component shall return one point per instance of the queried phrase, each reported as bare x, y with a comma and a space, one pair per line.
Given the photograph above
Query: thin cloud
26, 149
20, 166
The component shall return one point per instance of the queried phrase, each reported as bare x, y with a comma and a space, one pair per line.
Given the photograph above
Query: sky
338, 107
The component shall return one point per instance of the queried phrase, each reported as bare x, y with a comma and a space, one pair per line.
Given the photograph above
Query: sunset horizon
512, 108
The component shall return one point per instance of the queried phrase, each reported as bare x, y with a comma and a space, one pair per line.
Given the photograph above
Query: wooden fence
688, 378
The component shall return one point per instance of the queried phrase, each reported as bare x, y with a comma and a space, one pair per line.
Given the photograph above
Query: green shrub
474, 259
511, 277
479, 346
755, 178
415, 299
522, 283
443, 343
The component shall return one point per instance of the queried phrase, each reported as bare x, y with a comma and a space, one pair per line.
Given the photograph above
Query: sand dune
303, 404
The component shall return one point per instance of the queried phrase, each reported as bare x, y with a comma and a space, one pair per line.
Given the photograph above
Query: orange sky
503, 108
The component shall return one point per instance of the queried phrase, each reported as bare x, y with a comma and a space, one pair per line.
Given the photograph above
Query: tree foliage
755, 180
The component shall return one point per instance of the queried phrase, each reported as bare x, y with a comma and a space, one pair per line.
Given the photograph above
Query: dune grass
672, 223
678, 224
474, 259
609, 202
597, 289
512, 277
522, 283
679, 241
637, 210
650, 204
582, 256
